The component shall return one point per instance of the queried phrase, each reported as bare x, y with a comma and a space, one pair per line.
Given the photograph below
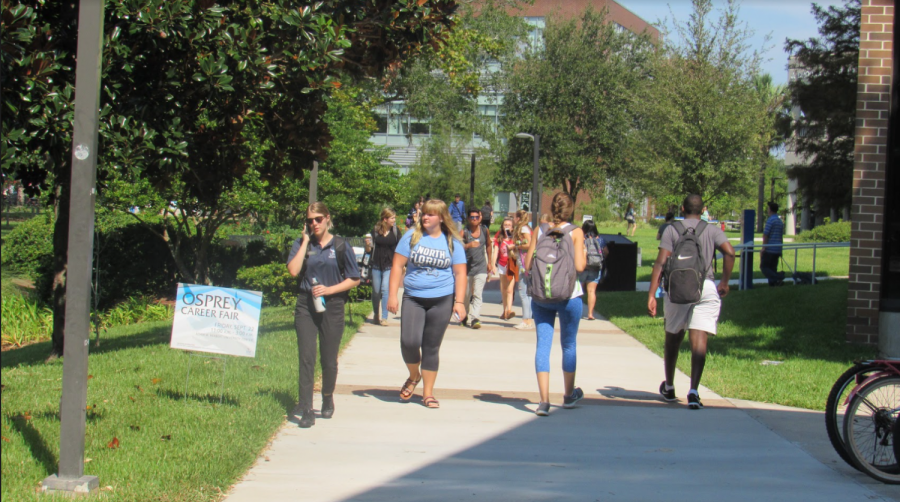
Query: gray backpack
685, 270
553, 275
594, 253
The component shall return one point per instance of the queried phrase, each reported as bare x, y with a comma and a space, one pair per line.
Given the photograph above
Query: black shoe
542, 410
476, 324
307, 419
694, 401
577, 395
328, 406
465, 322
668, 395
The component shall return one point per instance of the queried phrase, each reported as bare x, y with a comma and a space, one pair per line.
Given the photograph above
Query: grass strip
830, 262
802, 327
149, 437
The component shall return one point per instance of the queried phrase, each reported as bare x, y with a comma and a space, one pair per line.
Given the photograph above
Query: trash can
620, 264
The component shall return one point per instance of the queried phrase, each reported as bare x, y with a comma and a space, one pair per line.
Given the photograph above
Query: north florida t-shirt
429, 272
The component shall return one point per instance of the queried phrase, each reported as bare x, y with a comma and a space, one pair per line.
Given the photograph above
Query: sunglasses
474, 217
317, 219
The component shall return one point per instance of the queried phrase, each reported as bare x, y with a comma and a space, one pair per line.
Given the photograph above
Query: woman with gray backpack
554, 259
596, 250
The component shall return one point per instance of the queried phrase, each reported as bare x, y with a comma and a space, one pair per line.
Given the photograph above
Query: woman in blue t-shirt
434, 288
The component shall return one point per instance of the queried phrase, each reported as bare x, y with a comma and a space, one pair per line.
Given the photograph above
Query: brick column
869, 169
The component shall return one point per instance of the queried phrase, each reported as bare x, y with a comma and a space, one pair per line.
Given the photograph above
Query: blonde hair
382, 226
562, 208
522, 221
320, 208
438, 207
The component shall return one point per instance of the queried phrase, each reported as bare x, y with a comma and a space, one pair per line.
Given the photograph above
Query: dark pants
422, 326
328, 327
768, 265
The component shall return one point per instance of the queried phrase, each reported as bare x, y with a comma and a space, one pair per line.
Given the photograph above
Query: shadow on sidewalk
516, 402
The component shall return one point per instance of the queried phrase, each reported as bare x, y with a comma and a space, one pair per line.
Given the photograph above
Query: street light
536, 178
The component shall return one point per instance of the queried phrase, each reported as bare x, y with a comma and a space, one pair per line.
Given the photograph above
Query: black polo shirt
322, 264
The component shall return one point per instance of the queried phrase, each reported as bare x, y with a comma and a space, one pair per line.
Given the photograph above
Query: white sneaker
523, 325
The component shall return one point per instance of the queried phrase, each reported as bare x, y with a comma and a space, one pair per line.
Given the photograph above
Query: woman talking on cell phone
325, 266
434, 288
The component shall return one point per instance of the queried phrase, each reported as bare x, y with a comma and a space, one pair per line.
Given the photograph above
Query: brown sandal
431, 402
406, 393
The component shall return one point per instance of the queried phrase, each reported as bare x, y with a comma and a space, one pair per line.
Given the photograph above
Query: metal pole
314, 183
71, 476
536, 185
472, 204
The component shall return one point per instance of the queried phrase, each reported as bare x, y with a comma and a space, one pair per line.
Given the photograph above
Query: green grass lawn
801, 326
175, 443
834, 262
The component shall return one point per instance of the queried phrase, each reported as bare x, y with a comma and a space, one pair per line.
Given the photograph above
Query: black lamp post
536, 178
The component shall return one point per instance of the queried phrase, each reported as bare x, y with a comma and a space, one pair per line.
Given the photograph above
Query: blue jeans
526, 300
545, 318
381, 280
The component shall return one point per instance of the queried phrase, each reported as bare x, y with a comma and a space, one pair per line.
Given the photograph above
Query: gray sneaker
577, 395
542, 410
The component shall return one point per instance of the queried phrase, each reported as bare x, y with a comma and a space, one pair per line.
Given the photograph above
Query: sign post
746, 279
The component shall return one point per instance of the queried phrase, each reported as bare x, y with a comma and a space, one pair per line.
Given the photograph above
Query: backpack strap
701, 227
340, 248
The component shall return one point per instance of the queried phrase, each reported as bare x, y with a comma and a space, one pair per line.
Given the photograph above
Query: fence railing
796, 247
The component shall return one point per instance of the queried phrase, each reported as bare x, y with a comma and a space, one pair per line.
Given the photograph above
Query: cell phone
456, 316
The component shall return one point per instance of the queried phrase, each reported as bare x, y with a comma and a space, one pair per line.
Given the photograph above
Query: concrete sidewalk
485, 443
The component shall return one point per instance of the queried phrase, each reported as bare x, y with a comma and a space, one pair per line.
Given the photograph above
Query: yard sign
216, 320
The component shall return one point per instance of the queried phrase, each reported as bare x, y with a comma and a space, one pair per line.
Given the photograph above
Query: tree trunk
761, 197
60, 260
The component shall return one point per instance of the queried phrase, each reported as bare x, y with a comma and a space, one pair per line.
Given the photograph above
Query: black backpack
685, 270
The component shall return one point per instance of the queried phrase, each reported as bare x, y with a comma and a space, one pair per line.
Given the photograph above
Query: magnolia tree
182, 82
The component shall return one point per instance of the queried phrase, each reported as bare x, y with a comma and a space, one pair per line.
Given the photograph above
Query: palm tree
776, 129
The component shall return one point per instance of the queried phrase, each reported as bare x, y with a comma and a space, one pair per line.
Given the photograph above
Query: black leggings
328, 327
423, 322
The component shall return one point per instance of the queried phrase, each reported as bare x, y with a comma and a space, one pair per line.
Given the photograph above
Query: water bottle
319, 301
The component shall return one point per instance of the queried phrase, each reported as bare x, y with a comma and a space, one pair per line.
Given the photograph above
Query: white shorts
703, 315
501, 270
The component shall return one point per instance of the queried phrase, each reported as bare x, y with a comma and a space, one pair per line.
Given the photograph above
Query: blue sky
780, 18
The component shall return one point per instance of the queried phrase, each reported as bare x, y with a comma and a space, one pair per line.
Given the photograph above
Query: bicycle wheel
837, 403
869, 428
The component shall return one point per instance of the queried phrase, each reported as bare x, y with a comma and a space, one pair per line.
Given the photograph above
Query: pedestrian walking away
479, 264
326, 269
692, 299
596, 252
522, 233
773, 234
385, 237
506, 266
458, 212
434, 289
670, 217
630, 219
554, 259
487, 214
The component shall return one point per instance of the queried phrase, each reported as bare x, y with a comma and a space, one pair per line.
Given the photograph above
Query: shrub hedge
831, 232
